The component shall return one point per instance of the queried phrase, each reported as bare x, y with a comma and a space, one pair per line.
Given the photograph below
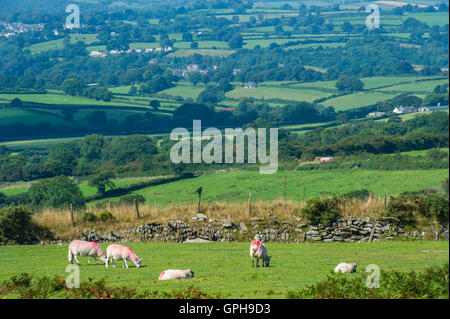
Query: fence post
384, 202
249, 202
136, 206
285, 189
304, 190
71, 214
199, 192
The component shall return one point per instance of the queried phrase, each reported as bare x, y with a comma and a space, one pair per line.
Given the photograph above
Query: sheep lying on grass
345, 268
176, 274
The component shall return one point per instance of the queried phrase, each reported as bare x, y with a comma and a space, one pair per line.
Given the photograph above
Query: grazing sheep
259, 251
85, 248
345, 268
117, 252
176, 274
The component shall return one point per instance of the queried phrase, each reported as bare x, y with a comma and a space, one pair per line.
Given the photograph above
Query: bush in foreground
433, 283
33, 287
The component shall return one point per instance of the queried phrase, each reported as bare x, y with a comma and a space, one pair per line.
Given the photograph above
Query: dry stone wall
202, 228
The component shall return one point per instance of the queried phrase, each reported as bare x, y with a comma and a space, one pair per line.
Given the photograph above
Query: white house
403, 109
251, 85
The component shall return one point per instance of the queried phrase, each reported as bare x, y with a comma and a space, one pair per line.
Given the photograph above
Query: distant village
104, 54
11, 29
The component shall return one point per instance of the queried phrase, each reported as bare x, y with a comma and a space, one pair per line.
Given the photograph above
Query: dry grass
372, 207
59, 221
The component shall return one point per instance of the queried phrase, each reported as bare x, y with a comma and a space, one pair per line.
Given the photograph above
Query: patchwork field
293, 266
351, 101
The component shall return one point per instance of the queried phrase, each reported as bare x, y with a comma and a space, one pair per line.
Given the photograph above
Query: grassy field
235, 186
426, 86
351, 101
267, 92
292, 266
210, 52
423, 152
11, 116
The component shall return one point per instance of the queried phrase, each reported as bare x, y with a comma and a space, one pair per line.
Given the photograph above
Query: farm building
439, 107
325, 160
375, 114
403, 110
251, 85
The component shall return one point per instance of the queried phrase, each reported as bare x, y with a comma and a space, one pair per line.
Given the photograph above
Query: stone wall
202, 228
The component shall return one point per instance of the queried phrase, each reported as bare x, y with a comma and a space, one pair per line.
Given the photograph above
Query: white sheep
176, 274
346, 268
259, 251
85, 248
118, 252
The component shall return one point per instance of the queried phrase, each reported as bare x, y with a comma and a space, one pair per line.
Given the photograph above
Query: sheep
259, 251
85, 248
117, 252
345, 268
176, 274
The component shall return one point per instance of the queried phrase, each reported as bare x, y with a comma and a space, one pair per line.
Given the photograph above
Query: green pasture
277, 93
235, 186
211, 52
423, 86
215, 265
351, 101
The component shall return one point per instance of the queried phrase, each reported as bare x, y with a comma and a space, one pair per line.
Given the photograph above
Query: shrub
32, 287
359, 194
105, 215
17, 227
89, 217
321, 210
402, 209
434, 205
404, 206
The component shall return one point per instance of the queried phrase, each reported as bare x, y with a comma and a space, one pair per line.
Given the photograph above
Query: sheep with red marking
119, 252
259, 251
85, 248
346, 268
176, 274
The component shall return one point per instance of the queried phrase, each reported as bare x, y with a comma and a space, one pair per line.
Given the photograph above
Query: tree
72, 86
195, 77
187, 112
57, 192
101, 180
16, 102
404, 67
155, 104
236, 41
187, 37
347, 27
132, 90
349, 83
